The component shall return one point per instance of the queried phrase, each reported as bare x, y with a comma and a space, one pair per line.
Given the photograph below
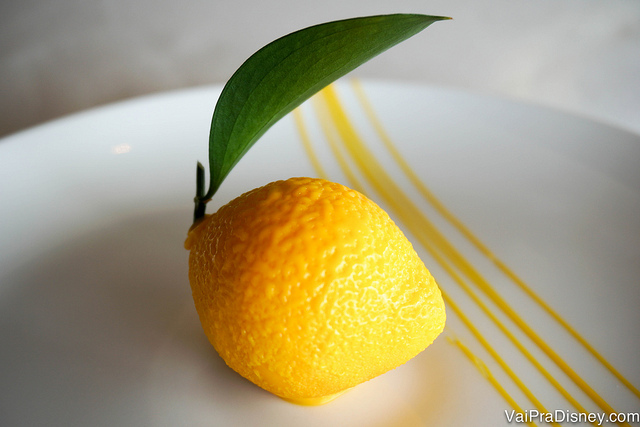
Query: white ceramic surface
97, 325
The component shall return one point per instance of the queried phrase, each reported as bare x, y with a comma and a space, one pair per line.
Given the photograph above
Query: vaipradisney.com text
565, 416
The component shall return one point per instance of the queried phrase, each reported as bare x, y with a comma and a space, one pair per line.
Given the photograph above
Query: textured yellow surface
308, 288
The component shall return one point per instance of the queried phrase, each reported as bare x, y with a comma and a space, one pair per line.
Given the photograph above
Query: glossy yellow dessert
307, 288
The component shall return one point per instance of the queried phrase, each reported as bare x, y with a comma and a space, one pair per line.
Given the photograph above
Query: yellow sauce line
329, 133
426, 232
484, 370
448, 215
496, 356
546, 374
327, 129
306, 143
355, 183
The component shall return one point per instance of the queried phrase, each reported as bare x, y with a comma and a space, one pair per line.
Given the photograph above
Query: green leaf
286, 72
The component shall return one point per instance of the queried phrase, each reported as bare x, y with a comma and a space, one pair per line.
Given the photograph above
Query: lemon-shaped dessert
308, 288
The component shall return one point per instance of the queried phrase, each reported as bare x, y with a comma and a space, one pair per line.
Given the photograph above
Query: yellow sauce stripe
439, 206
353, 181
530, 357
419, 225
494, 354
329, 133
306, 143
484, 370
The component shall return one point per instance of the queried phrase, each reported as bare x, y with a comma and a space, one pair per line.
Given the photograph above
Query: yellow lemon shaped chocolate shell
307, 288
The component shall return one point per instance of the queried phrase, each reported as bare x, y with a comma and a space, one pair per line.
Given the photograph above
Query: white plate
97, 325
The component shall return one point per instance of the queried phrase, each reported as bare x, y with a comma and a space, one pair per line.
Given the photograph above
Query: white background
63, 56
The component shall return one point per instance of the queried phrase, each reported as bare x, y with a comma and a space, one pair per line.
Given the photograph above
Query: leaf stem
200, 199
